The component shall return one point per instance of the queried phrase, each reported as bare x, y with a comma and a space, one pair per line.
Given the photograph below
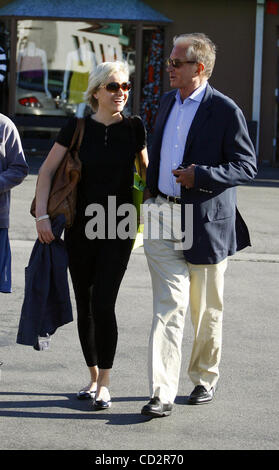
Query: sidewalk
38, 407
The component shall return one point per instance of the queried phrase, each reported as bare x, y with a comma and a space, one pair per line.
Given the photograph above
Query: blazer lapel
165, 111
199, 119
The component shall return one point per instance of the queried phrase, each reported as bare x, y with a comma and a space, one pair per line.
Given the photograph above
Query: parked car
36, 97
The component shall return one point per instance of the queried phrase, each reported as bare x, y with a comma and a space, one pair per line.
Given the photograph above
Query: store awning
132, 10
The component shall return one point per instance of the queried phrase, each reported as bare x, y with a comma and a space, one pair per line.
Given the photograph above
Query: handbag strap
137, 159
138, 165
78, 134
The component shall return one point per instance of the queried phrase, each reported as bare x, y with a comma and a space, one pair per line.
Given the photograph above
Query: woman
97, 265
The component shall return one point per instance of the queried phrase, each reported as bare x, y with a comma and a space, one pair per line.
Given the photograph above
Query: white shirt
174, 139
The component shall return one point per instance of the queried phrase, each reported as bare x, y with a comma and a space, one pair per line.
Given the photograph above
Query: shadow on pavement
19, 408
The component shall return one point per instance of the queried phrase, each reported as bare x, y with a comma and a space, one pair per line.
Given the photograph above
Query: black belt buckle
175, 199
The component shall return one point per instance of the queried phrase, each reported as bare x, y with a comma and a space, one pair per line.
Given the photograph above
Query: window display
55, 58
152, 77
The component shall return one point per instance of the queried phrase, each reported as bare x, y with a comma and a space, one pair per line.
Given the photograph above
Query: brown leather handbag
63, 192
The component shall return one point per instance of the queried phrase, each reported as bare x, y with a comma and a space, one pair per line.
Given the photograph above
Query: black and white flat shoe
86, 394
101, 404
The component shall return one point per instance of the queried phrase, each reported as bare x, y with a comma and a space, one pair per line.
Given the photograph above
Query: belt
176, 200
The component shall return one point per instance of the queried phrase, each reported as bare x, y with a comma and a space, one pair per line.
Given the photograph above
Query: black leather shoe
200, 395
156, 408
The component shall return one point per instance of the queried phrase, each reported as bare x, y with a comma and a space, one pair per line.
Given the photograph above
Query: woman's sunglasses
113, 87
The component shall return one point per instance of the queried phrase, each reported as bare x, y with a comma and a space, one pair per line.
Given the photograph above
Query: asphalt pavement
38, 405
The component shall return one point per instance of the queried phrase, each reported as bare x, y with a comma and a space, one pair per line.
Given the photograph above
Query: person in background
201, 150
13, 170
97, 266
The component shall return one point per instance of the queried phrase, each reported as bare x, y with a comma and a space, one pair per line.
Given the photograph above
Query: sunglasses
113, 87
176, 63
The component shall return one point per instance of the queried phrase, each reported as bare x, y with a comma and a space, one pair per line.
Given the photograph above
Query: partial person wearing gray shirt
13, 169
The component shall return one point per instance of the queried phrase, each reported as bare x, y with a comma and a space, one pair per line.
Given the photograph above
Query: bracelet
42, 217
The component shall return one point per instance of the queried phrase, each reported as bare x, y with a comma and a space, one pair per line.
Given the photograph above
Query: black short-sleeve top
107, 154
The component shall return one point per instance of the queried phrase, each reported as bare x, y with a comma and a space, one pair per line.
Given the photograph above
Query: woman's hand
44, 230
46, 174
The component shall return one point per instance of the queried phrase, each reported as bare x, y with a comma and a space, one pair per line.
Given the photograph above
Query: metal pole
258, 67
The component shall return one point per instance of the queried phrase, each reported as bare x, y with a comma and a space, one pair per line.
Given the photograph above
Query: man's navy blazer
219, 145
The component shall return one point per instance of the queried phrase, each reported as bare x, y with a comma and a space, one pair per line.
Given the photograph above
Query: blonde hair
99, 77
200, 48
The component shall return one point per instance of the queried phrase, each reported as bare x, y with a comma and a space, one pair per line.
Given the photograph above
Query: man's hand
186, 176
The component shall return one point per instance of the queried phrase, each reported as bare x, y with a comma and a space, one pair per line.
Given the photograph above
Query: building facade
51, 52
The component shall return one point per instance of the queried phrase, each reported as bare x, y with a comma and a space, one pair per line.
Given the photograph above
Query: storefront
69, 37
52, 47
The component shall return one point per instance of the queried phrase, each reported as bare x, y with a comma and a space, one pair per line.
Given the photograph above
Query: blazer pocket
219, 212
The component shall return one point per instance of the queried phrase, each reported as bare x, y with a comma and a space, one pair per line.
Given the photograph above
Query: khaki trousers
178, 285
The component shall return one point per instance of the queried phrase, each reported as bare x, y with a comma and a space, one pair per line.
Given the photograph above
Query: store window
55, 58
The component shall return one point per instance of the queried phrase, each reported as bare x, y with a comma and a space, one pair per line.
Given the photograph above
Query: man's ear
200, 68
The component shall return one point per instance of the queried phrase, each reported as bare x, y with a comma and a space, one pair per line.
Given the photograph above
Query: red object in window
30, 102
272, 8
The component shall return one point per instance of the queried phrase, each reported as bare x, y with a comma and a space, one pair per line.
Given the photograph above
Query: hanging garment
31, 66
151, 91
79, 81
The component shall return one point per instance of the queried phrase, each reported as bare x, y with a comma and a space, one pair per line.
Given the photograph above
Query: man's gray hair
200, 48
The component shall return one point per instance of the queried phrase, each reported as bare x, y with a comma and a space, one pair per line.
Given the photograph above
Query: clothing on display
32, 65
78, 82
153, 79
3, 64
81, 63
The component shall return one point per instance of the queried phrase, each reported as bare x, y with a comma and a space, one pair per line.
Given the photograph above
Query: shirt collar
197, 94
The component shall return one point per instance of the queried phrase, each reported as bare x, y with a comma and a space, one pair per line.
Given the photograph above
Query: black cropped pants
97, 268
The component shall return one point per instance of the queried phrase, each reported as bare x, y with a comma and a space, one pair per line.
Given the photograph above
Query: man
13, 169
205, 132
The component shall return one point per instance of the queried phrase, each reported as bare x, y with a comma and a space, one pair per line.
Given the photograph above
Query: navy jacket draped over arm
47, 303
